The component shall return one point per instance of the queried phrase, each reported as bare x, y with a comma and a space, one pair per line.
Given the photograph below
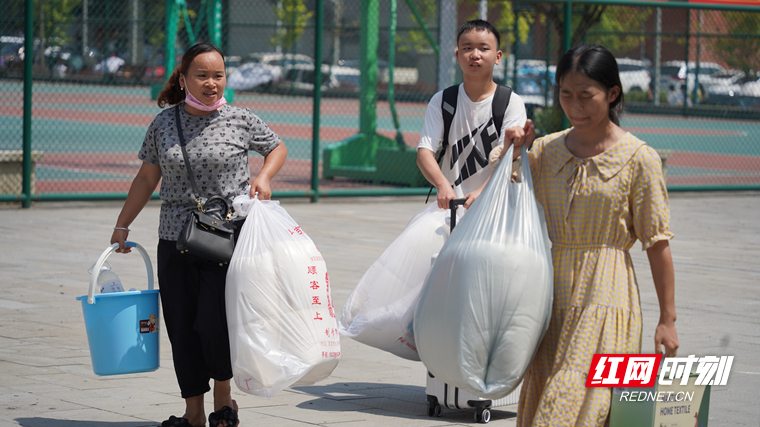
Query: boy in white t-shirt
472, 129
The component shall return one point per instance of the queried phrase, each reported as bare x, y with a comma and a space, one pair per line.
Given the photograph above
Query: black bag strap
501, 98
448, 109
499, 107
196, 194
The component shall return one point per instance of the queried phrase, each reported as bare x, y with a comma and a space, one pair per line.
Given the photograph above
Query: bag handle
225, 214
527, 177
102, 260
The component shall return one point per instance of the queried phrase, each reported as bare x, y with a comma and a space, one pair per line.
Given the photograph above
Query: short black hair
479, 25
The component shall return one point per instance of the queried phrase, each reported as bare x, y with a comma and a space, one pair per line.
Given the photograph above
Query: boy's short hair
479, 25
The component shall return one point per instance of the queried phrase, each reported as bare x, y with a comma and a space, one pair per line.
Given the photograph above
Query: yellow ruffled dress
596, 209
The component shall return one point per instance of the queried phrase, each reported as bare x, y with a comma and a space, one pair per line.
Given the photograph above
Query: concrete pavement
46, 377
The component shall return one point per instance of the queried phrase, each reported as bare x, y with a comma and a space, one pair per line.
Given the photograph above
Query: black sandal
226, 414
176, 422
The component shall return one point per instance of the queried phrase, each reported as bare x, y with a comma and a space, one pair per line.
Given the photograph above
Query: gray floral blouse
217, 145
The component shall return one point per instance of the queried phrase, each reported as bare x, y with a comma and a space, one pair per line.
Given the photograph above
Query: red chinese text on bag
282, 325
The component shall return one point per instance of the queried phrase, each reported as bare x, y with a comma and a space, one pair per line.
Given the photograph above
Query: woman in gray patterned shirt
218, 138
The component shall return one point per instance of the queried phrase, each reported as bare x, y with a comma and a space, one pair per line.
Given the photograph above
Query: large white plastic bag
487, 301
281, 320
380, 309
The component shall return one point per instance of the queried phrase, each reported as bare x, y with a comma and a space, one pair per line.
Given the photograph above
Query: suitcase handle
453, 203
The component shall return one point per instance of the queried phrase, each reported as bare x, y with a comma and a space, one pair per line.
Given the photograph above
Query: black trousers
192, 298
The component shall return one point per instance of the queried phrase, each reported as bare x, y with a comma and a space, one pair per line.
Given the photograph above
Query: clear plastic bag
487, 301
282, 325
380, 309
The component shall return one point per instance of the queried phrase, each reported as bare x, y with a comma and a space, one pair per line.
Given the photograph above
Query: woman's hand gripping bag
487, 301
282, 325
380, 309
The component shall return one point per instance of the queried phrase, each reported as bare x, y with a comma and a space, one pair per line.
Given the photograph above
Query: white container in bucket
122, 327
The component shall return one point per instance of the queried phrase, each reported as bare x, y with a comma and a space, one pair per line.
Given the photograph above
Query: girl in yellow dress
602, 189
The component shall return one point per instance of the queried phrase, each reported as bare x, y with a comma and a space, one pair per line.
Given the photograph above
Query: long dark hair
596, 63
172, 93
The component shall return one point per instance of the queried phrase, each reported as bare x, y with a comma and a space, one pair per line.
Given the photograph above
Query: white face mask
195, 103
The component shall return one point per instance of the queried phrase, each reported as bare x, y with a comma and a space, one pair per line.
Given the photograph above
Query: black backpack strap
499, 106
448, 109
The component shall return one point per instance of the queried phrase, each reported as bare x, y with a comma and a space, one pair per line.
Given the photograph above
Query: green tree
294, 15
505, 20
617, 27
740, 49
584, 18
415, 40
55, 15
609, 26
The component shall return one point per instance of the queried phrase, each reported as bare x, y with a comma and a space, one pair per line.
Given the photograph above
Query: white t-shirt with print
471, 137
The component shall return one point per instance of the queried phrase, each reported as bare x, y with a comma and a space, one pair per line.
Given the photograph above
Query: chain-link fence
689, 75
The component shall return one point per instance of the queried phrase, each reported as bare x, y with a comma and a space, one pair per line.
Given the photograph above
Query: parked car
737, 90
261, 68
251, 75
727, 88
347, 78
531, 90
11, 50
675, 73
634, 74
277, 60
533, 87
401, 75
299, 79
751, 89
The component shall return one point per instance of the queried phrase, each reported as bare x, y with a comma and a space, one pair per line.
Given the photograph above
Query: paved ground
46, 377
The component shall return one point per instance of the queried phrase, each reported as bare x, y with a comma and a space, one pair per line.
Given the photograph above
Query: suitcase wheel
482, 416
434, 409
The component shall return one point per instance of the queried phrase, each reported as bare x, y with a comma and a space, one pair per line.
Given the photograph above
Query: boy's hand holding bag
280, 315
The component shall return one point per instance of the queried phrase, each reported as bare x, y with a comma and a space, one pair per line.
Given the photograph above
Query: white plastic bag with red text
380, 309
281, 320
487, 301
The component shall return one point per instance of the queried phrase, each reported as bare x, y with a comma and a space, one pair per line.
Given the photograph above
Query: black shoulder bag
207, 232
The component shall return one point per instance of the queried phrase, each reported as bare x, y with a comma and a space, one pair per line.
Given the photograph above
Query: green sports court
89, 137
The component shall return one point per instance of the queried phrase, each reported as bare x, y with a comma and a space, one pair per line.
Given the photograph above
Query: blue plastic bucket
122, 327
